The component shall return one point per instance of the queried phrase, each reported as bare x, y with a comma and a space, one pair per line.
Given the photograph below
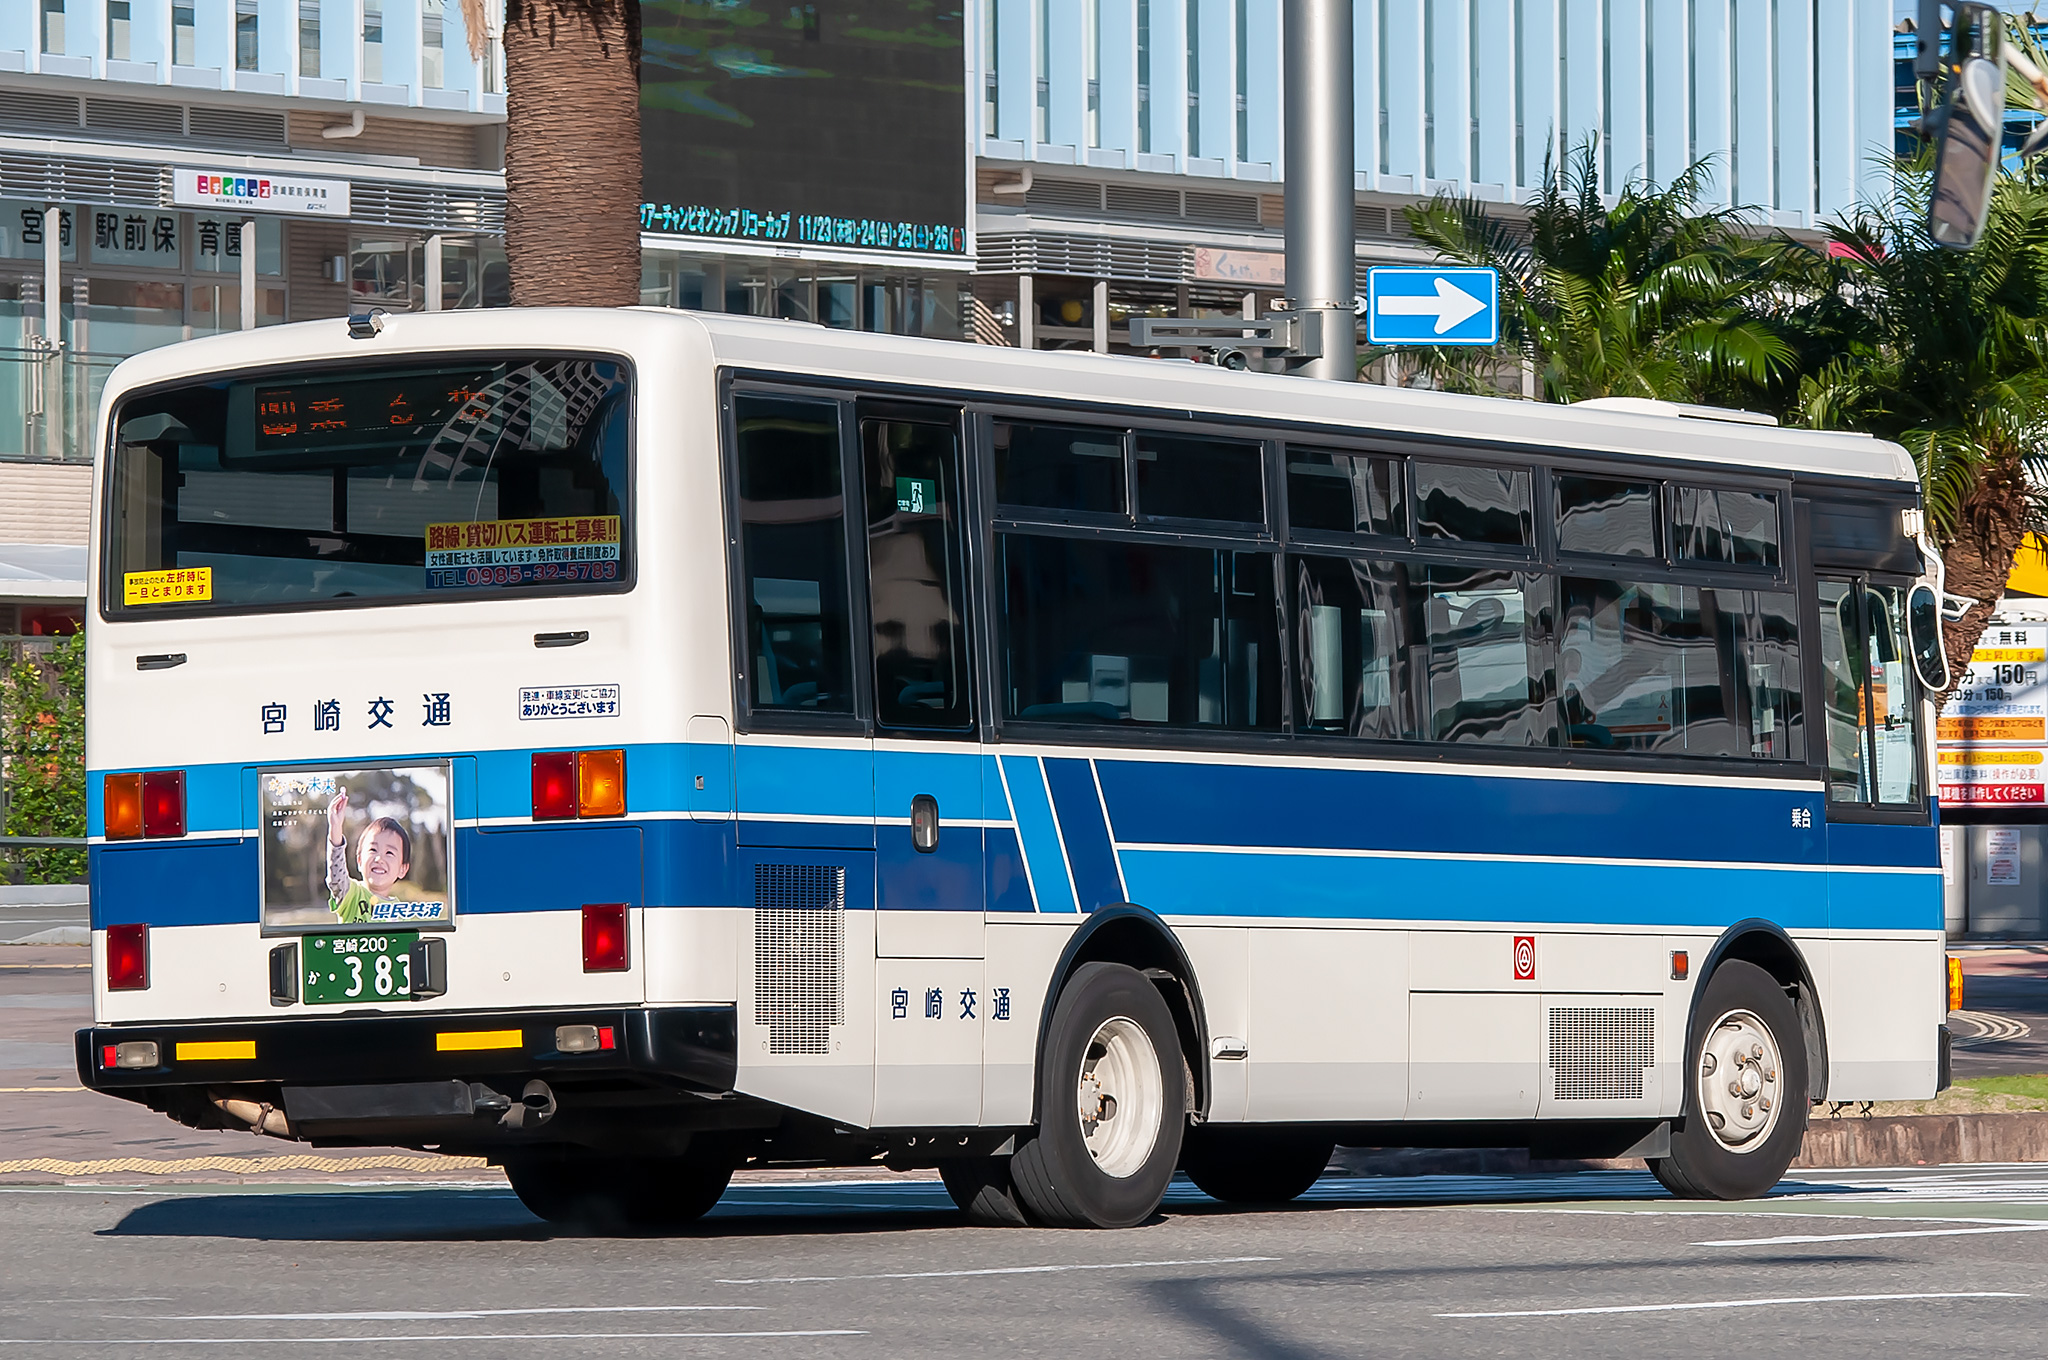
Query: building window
1091, 65
433, 58
1194, 77
1144, 75
988, 68
1244, 75
245, 35
373, 42
182, 39
1043, 131
53, 26
117, 30
309, 39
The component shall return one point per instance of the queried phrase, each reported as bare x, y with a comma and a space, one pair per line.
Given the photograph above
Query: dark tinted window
1347, 616
1181, 477
432, 480
914, 534
1344, 493
1053, 467
1599, 515
1652, 667
1486, 634
793, 555
1098, 630
1473, 504
1737, 528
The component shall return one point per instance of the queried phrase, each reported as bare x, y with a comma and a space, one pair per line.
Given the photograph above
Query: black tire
1241, 1164
1701, 1165
618, 1195
981, 1187
1057, 1179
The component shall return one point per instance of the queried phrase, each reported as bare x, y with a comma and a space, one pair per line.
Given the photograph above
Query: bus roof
769, 345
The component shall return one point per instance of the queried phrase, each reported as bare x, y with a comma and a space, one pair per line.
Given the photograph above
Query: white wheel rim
1120, 1097
1741, 1081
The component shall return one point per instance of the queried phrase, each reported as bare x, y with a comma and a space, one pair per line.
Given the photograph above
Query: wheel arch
1127, 933
1766, 945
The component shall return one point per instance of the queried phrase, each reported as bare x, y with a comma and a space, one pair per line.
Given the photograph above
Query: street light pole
1320, 161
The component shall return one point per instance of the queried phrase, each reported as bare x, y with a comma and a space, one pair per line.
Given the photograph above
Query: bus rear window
438, 480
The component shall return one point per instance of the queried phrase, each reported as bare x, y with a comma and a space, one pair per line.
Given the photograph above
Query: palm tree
572, 148
1648, 297
1945, 352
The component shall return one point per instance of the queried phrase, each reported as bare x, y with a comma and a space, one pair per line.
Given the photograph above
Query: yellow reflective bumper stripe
469, 1041
214, 1050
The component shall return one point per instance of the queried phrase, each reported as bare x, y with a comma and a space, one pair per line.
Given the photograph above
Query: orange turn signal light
1955, 983
600, 783
121, 802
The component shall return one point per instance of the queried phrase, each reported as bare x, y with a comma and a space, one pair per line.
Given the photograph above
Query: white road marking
442, 1336
1791, 1238
465, 1314
999, 1270
1732, 1303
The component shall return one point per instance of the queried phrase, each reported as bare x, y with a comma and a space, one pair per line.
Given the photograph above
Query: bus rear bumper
686, 1047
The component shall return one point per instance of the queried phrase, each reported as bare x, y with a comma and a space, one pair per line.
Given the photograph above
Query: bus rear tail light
554, 785
601, 783
604, 938
127, 958
121, 801
584, 1038
163, 803
570, 784
135, 1053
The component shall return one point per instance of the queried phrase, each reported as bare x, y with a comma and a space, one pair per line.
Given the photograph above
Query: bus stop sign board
1422, 305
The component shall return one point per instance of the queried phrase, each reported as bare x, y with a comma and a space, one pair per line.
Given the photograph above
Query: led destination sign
836, 123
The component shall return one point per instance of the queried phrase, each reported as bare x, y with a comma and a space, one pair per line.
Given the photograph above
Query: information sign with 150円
1993, 733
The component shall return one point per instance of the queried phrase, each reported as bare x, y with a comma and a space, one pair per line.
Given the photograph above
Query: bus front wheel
609, 1195
1746, 1103
1242, 1164
1112, 1102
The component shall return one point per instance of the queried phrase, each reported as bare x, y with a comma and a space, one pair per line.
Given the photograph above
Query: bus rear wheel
614, 1195
1747, 1097
1250, 1165
1112, 1103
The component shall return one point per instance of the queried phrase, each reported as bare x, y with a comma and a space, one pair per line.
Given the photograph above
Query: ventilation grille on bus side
1600, 1052
799, 954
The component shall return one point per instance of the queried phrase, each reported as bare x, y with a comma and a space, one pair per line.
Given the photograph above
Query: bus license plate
358, 969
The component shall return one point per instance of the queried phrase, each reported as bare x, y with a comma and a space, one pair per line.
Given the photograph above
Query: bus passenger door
929, 871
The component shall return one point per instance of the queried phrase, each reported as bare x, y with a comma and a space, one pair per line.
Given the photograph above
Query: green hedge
42, 737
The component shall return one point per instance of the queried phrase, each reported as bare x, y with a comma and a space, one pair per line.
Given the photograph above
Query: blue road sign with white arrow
1426, 305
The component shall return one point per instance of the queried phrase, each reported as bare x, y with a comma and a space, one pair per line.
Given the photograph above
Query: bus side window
1892, 696
1346, 612
914, 572
1487, 637
793, 555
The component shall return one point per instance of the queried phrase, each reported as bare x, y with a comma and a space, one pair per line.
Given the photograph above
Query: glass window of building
373, 42
245, 35
184, 35
117, 30
53, 25
433, 63
309, 38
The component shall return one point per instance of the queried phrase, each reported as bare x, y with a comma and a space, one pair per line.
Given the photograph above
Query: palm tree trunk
1990, 526
572, 152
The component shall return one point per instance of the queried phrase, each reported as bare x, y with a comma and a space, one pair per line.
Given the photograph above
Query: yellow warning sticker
181, 585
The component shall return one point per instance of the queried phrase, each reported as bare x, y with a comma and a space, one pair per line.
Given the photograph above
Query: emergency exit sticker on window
182, 585
916, 495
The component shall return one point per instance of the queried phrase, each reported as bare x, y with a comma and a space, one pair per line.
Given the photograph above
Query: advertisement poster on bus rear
352, 848
1993, 733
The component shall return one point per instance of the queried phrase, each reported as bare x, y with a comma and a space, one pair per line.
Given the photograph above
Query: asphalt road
2010, 984
1949, 1263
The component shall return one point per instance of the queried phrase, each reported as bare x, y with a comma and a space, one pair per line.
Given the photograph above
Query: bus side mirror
1968, 130
1923, 634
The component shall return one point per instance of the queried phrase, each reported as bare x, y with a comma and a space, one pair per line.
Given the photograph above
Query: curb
1837, 1144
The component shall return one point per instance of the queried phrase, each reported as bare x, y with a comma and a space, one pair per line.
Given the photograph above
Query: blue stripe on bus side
1189, 803
1445, 888
1085, 831
1039, 833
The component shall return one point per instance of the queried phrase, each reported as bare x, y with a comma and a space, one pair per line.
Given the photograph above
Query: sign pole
1320, 170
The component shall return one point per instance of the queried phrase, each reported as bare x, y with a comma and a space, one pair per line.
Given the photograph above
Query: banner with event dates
1992, 748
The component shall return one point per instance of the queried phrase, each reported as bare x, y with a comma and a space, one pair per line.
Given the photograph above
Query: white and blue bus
632, 745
